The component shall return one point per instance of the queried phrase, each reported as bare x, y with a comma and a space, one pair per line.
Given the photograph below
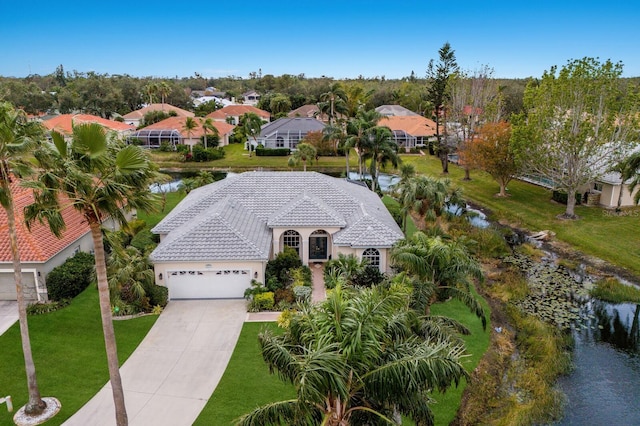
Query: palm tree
356, 359
207, 125
128, 268
439, 266
429, 197
163, 90
304, 152
403, 191
629, 170
333, 102
381, 149
101, 178
151, 89
190, 124
357, 133
17, 138
252, 125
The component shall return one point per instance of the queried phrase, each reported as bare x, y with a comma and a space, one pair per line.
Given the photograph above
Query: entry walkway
171, 375
317, 273
8, 314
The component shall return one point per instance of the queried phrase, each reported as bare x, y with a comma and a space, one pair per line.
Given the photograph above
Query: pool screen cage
153, 138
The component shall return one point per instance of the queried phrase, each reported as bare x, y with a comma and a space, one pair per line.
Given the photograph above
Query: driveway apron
8, 314
171, 375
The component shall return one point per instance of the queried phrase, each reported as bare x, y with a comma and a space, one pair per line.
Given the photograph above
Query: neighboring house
232, 113
221, 235
204, 99
172, 131
251, 98
410, 131
288, 132
40, 250
307, 111
64, 124
394, 110
135, 117
608, 189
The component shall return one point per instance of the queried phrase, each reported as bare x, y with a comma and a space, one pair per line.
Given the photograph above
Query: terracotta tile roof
415, 125
64, 123
139, 113
305, 111
177, 123
237, 111
40, 244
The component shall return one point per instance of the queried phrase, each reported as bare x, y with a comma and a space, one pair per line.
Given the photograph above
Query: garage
8, 285
208, 284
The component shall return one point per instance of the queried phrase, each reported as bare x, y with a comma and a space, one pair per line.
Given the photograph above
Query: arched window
372, 255
291, 239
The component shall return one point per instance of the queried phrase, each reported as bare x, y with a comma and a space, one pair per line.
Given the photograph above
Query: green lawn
610, 238
238, 159
152, 219
68, 351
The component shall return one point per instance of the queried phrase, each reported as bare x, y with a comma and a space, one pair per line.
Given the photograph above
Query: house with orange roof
64, 124
135, 117
172, 130
410, 131
40, 250
232, 113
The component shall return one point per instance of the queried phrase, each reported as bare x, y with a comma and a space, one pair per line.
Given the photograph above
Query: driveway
8, 314
171, 375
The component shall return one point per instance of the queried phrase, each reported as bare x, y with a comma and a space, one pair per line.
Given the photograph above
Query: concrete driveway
171, 375
8, 314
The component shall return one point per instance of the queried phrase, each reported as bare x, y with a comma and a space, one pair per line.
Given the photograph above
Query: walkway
8, 314
173, 372
318, 293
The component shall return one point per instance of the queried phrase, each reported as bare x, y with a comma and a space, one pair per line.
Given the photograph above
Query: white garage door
8, 284
209, 284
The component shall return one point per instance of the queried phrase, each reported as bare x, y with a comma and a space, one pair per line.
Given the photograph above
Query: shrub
367, 277
285, 295
272, 152
165, 147
561, 197
300, 276
69, 279
157, 295
46, 307
264, 301
201, 154
183, 149
302, 293
279, 267
144, 240
256, 288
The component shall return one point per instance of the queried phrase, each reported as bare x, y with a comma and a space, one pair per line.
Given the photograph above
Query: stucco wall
610, 194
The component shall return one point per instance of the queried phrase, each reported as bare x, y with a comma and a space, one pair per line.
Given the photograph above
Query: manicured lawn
246, 383
238, 159
152, 219
611, 238
68, 351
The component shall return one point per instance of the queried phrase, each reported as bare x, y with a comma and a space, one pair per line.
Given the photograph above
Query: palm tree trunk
347, 157
35, 405
107, 324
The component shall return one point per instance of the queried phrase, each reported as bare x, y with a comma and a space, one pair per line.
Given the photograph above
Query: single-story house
409, 131
64, 124
394, 110
205, 99
172, 131
221, 235
40, 250
308, 111
135, 117
288, 132
609, 186
251, 98
232, 113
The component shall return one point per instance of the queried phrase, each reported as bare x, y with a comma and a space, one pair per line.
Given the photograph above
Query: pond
174, 185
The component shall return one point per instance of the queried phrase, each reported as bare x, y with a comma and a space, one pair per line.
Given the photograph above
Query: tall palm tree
17, 139
356, 359
163, 90
207, 125
430, 197
403, 191
339, 137
357, 131
629, 170
101, 178
381, 149
333, 102
190, 124
252, 125
304, 152
151, 89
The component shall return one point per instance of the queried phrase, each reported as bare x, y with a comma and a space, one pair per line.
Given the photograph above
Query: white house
221, 236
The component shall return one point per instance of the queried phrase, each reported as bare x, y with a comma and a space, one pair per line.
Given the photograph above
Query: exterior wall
257, 268
133, 121
385, 265
610, 194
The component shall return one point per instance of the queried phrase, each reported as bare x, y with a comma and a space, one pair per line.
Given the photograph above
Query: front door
318, 248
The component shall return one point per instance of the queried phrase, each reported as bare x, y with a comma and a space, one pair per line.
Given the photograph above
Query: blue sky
340, 39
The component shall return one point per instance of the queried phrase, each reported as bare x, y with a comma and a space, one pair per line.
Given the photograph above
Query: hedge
69, 279
272, 152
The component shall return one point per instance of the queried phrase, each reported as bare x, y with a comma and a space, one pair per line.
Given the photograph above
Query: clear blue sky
340, 39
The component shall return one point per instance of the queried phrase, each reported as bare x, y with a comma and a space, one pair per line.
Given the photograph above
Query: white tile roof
232, 218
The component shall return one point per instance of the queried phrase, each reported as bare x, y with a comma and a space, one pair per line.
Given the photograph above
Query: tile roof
64, 123
305, 111
177, 123
139, 113
394, 110
262, 200
415, 125
40, 244
237, 111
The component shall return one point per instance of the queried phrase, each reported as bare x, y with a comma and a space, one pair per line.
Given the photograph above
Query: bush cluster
200, 154
69, 279
562, 197
272, 152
